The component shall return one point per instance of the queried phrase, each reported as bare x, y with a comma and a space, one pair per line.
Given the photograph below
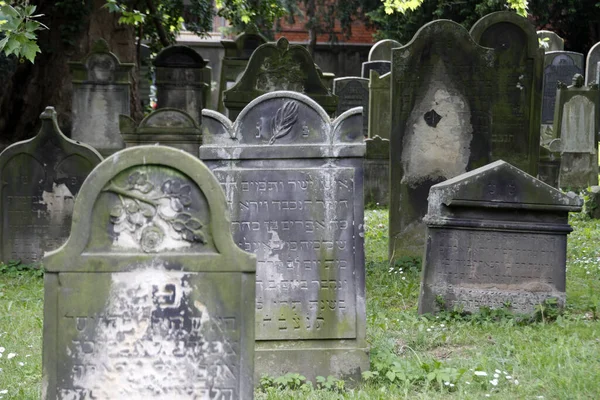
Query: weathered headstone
441, 122
496, 237
293, 180
576, 124
559, 66
150, 298
591, 64
327, 78
550, 41
517, 100
235, 60
165, 126
549, 165
40, 179
180, 80
101, 90
352, 92
382, 50
380, 119
381, 67
279, 66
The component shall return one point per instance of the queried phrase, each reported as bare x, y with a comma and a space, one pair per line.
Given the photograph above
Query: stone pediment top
179, 56
502, 186
100, 66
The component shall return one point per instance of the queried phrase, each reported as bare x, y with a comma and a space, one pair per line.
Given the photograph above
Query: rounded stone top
179, 56
382, 50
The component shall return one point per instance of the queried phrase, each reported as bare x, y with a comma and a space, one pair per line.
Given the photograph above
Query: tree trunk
29, 88
311, 25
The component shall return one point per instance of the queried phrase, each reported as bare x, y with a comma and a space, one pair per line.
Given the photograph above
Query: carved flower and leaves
149, 214
285, 118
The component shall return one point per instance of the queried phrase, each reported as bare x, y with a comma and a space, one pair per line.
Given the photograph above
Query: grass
411, 356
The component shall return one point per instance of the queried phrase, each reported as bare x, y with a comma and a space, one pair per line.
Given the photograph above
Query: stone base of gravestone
377, 172
549, 167
592, 204
578, 170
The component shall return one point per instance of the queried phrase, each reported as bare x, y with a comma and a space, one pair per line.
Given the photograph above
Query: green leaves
18, 26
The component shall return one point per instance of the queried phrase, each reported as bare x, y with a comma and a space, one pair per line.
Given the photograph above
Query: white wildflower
516, 382
21, 364
494, 382
508, 377
496, 375
480, 373
447, 383
2, 349
11, 355
497, 371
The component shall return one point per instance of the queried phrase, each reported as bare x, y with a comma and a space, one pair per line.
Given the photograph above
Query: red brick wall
297, 33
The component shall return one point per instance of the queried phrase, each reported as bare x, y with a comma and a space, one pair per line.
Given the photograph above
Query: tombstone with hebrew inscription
559, 66
101, 92
294, 182
352, 92
517, 98
441, 122
150, 298
497, 237
40, 179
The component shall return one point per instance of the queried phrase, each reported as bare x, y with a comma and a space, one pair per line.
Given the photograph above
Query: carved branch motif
284, 120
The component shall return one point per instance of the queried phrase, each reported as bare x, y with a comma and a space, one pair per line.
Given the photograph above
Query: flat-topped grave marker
496, 236
150, 298
352, 92
40, 180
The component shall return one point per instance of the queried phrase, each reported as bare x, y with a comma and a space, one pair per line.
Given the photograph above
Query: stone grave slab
551, 41
40, 180
382, 67
382, 50
496, 237
442, 88
279, 66
101, 92
352, 92
517, 98
294, 182
377, 171
379, 117
559, 66
150, 298
165, 126
591, 64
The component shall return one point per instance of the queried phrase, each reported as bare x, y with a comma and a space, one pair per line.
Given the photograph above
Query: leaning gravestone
441, 103
40, 179
551, 41
150, 298
559, 66
101, 90
165, 126
352, 92
576, 124
293, 180
279, 66
517, 97
180, 75
591, 64
235, 60
382, 50
496, 237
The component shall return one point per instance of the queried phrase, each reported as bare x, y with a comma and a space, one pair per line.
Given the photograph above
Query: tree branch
160, 29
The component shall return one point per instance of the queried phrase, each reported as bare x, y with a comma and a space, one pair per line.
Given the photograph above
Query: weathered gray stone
377, 171
181, 75
279, 66
517, 97
352, 92
495, 236
382, 67
235, 60
166, 126
442, 92
592, 203
559, 66
327, 78
294, 182
549, 165
382, 50
550, 41
150, 298
576, 124
101, 90
380, 120
40, 179
591, 64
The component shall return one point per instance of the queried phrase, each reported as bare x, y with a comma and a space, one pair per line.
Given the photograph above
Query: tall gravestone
559, 66
591, 64
551, 41
165, 126
517, 97
496, 237
381, 67
180, 80
40, 179
352, 92
150, 298
293, 180
576, 124
441, 106
235, 60
279, 66
101, 92
382, 50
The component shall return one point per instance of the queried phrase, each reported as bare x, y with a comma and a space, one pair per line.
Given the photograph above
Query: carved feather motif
284, 120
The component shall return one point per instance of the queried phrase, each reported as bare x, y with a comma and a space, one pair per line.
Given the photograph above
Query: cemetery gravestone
381, 67
279, 66
517, 97
382, 50
352, 92
40, 179
591, 64
496, 236
551, 41
165, 126
101, 90
180, 75
150, 298
293, 180
576, 123
441, 122
559, 66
